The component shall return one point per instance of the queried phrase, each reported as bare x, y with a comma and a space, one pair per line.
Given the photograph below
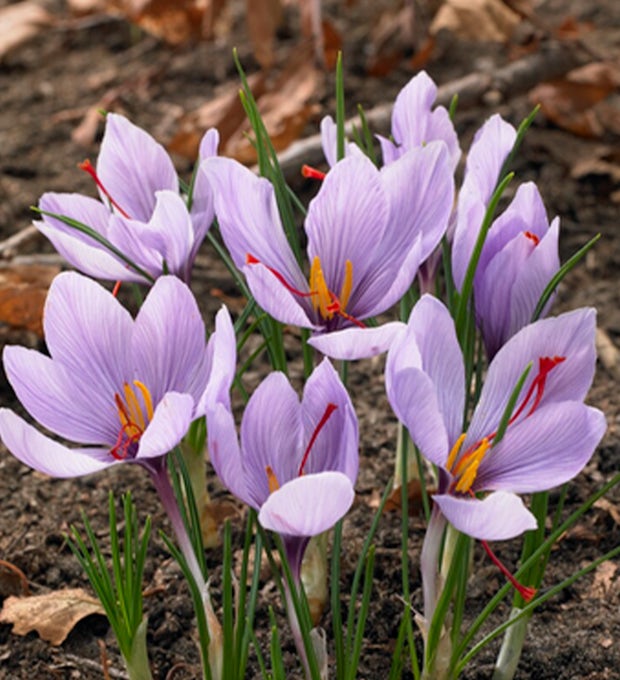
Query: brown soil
46, 87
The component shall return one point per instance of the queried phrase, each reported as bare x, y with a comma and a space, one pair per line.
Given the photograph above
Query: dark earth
46, 87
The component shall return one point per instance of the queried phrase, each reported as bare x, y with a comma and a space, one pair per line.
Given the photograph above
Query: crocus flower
519, 258
296, 462
367, 230
142, 213
415, 123
551, 433
126, 389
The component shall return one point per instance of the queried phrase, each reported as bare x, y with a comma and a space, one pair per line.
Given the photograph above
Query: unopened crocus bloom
551, 433
126, 389
368, 230
520, 254
142, 213
296, 462
519, 258
415, 122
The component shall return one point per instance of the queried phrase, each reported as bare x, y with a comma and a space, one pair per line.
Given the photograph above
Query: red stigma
87, 166
532, 237
526, 592
324, 418
250, 259
312, 173
545, 366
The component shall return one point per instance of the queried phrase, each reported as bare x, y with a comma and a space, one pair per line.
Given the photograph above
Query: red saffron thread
312, 173
87, 166
324, 418
526, 592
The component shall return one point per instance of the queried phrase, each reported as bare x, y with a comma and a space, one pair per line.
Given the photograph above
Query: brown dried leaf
603, 581
391, 37
23, 289
476, 20
285, 110
414, 496
225, 113
263, 18
52, 615
20, 23
174, 21
576, 102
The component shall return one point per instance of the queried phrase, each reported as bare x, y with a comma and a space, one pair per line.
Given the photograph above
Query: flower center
135, 412
464, 466
272, 480
324, 301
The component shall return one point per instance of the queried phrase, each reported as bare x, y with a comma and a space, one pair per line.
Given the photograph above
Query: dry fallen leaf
263, 18
23, 289
52, 615
476, 20
285, 109
414, 498
603, 581
20, 23
577, 102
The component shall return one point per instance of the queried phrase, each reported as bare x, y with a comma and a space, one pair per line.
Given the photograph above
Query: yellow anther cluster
322, 298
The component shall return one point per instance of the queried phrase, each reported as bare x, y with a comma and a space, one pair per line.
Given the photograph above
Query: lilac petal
490, 148
357, 343
61, 400
531, 281
308, 505
271, 432
224, 452
545, 450
79, 249
222, 361
336, 446
46, 455
414, 124
346, 221
389, 284
169, 327
420, 190
413, 397
172, 224
251, 226
526, 212
329, 142
430, 344
389, 151
88, 331
493, 291
276, 299
209, 144
132, 166
569, 335
498, 517
171, 420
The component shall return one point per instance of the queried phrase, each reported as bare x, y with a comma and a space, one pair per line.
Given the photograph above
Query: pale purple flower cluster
128, 389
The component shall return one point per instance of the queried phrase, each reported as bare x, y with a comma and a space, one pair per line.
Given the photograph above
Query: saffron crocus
519, 258
141, 214
126, 389
415, 123
551, 433
296, 462
368, 230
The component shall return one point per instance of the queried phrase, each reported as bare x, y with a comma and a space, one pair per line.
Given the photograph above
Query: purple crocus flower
489, 150
552, 433
296, 462
519, 258
141, 212
127, 389
415, 123
367, 230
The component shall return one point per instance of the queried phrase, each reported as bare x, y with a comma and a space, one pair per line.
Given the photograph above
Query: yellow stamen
272, 480
122, 410
455, 451
135, 412
467, 468
146, 396
322, 298
347, 285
